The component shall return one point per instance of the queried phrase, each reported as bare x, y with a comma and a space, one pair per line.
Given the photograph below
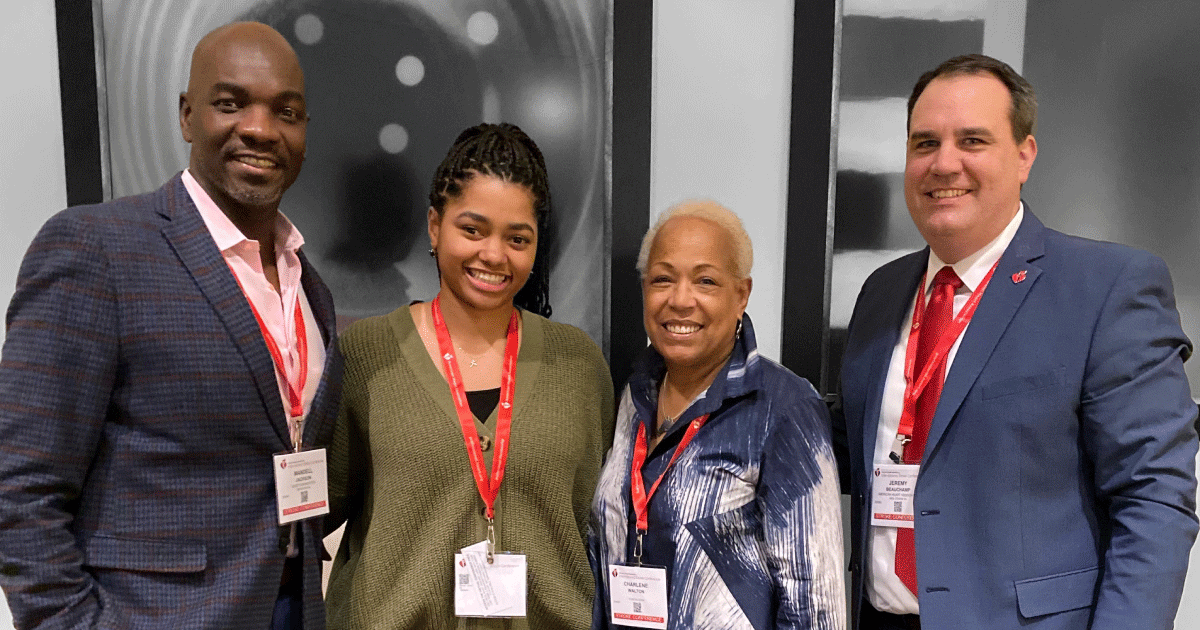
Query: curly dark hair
503, 151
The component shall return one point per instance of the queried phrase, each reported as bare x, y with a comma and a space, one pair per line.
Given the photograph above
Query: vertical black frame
812, 168
633, 36
80, 101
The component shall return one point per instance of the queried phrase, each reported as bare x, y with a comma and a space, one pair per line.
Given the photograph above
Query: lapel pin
1018, 277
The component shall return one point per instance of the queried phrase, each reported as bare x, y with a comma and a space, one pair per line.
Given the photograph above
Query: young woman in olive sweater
400, 474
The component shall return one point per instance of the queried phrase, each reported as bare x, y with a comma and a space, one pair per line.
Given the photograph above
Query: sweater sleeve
608, 412
347, 471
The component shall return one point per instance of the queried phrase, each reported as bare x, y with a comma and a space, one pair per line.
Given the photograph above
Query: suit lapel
189, 237
892, 309
1014, 277
321, 303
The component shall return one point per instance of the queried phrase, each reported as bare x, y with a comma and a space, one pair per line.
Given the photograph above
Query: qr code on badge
897, 506
464, 579
637, 607
304, 496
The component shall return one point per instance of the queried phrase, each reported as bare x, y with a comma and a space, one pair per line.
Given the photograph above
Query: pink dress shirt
276, 308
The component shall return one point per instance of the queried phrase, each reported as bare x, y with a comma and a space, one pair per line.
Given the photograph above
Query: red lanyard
295, 389
641, 498
913, 389
508, 379
637, 486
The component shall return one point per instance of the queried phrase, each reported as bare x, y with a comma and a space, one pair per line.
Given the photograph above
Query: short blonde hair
709, 210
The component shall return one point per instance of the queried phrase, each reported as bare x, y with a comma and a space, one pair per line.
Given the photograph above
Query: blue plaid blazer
138, 415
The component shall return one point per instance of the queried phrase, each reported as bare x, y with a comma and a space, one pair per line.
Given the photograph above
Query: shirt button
485, 443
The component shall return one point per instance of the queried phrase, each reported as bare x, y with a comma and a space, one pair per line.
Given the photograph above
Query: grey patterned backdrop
390, 84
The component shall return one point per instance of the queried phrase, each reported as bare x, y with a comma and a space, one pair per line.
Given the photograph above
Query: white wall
32, 179
721, 116
32, 176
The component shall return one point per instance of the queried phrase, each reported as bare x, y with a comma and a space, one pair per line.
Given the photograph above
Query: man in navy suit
1015, 426
165, 353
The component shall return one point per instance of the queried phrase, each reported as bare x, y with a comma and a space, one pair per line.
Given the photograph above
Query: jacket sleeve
1138, 429
799, 498
348, 449
840, 441
59, 365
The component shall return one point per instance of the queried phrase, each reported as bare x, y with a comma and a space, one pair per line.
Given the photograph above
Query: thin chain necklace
429, 333
462, 353
668, 420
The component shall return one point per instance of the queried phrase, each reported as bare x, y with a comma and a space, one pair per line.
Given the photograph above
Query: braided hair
505, 152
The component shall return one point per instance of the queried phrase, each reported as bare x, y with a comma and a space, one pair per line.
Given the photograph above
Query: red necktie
938, 316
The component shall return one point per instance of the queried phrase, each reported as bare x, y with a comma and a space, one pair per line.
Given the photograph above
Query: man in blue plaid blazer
139, 401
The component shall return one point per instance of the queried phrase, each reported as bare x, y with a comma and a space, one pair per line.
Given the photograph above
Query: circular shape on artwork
393, 138
309, 29
410, 70
482, 28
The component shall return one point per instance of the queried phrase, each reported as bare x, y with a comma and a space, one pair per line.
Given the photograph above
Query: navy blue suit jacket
139, 412
1058, 484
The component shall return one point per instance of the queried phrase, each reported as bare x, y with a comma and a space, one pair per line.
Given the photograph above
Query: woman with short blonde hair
718, 506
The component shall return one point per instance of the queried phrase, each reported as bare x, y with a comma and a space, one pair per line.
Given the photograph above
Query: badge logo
462, 563
283, 464
614, 573
876, 472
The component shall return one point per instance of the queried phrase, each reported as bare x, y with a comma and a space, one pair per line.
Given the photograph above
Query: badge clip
898, 447
491, 541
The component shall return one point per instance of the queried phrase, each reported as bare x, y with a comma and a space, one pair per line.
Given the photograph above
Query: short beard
253, 198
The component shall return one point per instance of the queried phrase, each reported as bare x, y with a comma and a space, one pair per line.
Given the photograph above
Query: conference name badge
483, 589
301, 485
638, 596
892, 492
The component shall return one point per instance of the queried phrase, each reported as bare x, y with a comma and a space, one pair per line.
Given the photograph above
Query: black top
483, 402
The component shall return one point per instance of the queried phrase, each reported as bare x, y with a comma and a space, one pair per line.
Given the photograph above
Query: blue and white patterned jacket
748, 521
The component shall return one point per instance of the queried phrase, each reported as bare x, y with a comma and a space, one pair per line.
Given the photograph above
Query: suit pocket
1057, 593
1024, 383
143, 554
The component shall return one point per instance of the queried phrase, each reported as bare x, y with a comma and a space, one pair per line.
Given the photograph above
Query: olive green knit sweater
399, 475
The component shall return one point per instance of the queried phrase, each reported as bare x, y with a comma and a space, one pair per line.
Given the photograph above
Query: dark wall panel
633, 30
807, 250
81, 120
1118, 130
888, 54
